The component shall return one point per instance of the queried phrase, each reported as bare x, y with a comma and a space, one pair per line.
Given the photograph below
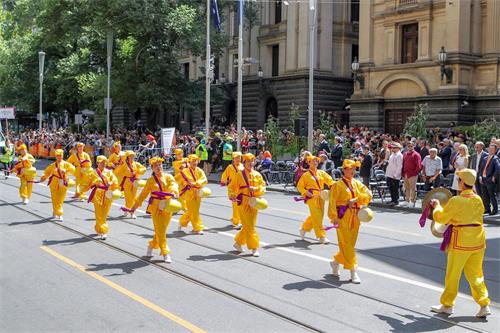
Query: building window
277, 11
354, 10
185, 67
409, 44
276, 60
354, 52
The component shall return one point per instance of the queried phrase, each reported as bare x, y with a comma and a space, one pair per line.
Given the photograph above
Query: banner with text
167, 139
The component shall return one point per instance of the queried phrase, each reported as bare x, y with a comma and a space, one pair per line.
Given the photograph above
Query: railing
407, 2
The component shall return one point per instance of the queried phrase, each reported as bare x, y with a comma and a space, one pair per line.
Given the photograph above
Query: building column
366, 32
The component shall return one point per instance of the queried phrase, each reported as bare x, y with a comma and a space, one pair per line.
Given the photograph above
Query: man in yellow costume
192, 179
102, 182
179, 164
24, 170
347, 196
128, 175
57, 174
81, 161
161, 188
310, 186
227, 177
117, 156
248, 184
465, 242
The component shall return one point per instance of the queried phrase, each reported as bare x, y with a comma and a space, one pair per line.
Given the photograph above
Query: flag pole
240, 77
207, 75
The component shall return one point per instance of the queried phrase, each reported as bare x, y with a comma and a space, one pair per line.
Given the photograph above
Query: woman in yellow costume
128, 175
310, 186
102, 182
117, 156
24, 170
190, 181
81, 161
160, 187
179, 164
57, 173
347, 196
247, 184
465, 242
227, 177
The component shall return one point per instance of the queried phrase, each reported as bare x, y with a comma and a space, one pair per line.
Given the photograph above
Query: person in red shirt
412, 164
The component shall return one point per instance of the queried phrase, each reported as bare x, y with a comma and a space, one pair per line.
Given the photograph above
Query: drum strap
104, 187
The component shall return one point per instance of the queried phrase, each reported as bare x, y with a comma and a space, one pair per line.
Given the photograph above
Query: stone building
399, 56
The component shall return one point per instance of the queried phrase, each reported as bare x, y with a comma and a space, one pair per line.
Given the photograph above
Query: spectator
474, 163
227, 152
323, 145
366, 166
432, 169
265, 165
325, 164
424, 150
445, 155
411, 168
489, 170
460, 162
337, 152
393, 172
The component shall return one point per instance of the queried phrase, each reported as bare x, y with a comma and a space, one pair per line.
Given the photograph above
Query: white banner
167, 137
7, 113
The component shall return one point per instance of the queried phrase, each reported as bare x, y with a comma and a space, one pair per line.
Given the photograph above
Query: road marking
126, 292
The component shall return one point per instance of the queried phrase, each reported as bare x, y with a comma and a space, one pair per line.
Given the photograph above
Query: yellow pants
472, 266
161, 220
183, 203
192, 214
315, 219
130, 192
25, 188
101, 211
81, 182
235, 219
347, 235
248, 235
58, 194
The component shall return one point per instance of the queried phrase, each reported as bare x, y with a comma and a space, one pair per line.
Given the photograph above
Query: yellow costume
466, 247
240, 187
227, 177
83, 165
100, 182
179, 164
190, 181
116, 158
24, 163
57, 173
127, 174
314, 183
159, 187
347, 233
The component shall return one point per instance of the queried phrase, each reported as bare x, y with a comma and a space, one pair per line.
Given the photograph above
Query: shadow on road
214, 257
33, 222
70, 241
125, 267
298, 244
328, 281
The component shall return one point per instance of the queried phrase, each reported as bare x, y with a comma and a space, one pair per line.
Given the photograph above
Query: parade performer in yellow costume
57, 173
102, 182
117, 156
128, 175
310, 186
24, 170
464, 240
81, 161
179, 164
191, 180
227, 177
160, 187
346, 198
247, 184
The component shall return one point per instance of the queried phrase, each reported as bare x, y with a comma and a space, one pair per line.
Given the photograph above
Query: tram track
232, 295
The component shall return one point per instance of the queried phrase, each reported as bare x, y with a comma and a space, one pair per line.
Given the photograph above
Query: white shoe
324, 240
104, 236
200, 232
483, 312
448, 310
335, 268
354, 277
167, 259
404, 204
302, 234
238, 247
149, 252
124, 215
26, 201
133, 216
236, 226
255, 253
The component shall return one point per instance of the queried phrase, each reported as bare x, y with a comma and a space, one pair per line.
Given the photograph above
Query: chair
273, 176
381, 185
448, 180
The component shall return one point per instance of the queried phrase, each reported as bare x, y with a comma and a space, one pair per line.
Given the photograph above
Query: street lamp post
108, 99
41, 63
310, 114
445, 71
240, 78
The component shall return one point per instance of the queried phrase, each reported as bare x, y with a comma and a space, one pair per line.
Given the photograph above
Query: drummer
81, 161
117, 156
346, 198
227, 177
25, 162
128, 174
465, 243
178, 164
310, 186
247, 184
159, 187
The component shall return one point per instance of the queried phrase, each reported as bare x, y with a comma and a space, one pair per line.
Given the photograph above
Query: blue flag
215, 14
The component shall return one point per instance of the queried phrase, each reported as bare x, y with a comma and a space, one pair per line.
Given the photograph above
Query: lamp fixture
356, 75
445, 71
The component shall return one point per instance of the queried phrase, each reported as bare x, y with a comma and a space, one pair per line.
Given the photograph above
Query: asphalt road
58, 277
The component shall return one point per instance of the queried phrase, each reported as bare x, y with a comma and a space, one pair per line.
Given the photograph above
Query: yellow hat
22, 147
193, 157
101, 158
178, 151
468, 176
80, 144
115, 145
154, 160
248, 157
236, 154
59, 152
351, 164
309, 158
129, 153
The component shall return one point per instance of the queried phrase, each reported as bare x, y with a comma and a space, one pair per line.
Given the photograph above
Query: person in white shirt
393, 172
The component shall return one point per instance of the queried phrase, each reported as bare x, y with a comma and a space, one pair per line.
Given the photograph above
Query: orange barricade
52, 151
44, 151
34, 150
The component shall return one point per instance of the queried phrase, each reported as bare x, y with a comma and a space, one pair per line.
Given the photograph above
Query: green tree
416, 123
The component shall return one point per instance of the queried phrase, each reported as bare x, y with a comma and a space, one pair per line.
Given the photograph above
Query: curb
487, 220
